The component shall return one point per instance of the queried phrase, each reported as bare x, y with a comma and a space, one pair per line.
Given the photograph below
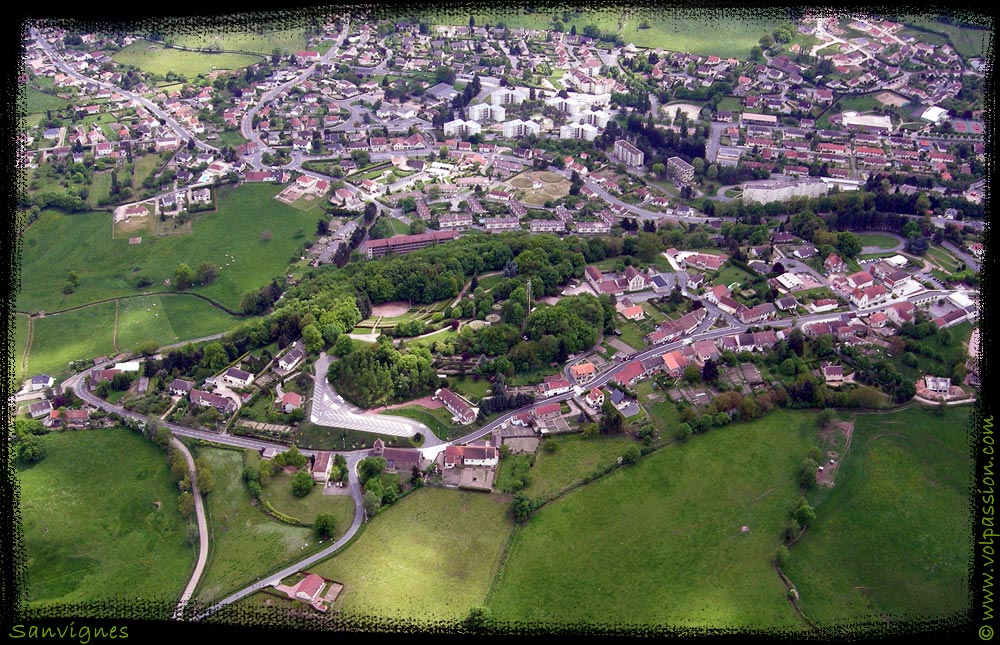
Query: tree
206, 273
766, 41
184, 276
185, 504
631, 454
302, 483
370, 467
478, 618
521, 507
682, 431
325, 525
804, 514
30, 448
807, 477
371, 503
203, 471
710, 371
214, 356
323, 226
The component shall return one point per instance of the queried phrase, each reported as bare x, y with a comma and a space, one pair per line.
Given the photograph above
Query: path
199, 509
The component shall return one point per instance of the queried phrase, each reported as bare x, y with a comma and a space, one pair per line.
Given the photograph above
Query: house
901, 312
583, 373
321, 465
618, 399
206, 399
705, 350
41, 382
629, 374
805, 251
461, 411
636, 280
595, 398
310, 588
290, 401
868, 296
860, 280
833, 373
471, 455
937, 384
68, 418
546, 411
760, 312
290, 359
833, 264
40, 409
788, 303
396, 459
238, 377
180, 387
554, 385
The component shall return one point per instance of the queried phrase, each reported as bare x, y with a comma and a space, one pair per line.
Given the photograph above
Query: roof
236, 373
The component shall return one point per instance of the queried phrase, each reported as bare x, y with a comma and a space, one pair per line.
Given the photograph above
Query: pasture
245, 543
37, 102
154, 58
261, 41
892, 538
250, 239
661, 547
100, 518
168, 319
575, 457
429, 557
74, 335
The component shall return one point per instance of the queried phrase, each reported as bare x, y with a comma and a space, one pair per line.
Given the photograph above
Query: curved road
199, 509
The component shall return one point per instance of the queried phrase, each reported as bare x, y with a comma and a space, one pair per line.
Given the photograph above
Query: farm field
661, 547
287, 40
57, 243
245, 543
575, 457
74, 335
168, 319
892, 538
154, 58
429, 557
99, 515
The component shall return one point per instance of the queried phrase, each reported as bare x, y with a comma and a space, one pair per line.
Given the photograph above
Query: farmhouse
180, 387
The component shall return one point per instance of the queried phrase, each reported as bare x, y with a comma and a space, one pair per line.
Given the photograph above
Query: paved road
165, 117
199, 509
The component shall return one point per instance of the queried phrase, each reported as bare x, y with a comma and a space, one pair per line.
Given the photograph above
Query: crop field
245, 543
250, 239
428, 557
74, 335
154, 58
892, 538
99, 515
661, 547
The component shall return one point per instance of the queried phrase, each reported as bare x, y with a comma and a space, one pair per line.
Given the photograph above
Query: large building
764, 192
518, 128
484, 112
629, 153
460, 128
680, 169
508, 95
406, 243
584, 131
876, 123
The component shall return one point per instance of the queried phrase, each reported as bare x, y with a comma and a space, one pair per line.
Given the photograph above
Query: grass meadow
660, 542
428, 557
878, 239
892, 538
245, 543
575, 457
261, 42
279, 493
250, 239
74, 335
154, 58
92, 528
168, 319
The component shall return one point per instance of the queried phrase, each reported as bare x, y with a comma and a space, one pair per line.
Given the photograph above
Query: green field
662, 540
279, 493
168, 319
100, 521
729, 34
892, 538
246, 543
261, 42
878, 239
156, 59
429, 557
57, 243
967, 42
575, 457
37, 102
74, 335
438, 420
20, 340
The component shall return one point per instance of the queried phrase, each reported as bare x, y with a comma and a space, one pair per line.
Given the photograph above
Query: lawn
662, 539
100, 516
156, 59
231, 138
878, 239
74, 335
430, 557
438, 420
279, 493
632, 335
262, 42
575, 457
315, 437
893, 537
168, 319
245, 543
730, 274
57, 243
942, 258
469, 387
398, 227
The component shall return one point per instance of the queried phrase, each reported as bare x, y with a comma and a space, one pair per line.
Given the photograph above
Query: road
164, 117
199, 510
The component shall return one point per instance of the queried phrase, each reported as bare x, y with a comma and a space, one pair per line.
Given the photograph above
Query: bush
302, 484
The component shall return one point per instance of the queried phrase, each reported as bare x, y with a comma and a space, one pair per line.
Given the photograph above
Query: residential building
680, 170
517, 128
461, 411
629, 154
238, 377
406, 243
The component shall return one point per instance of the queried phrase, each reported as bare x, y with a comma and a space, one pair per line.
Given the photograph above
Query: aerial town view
465, 320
